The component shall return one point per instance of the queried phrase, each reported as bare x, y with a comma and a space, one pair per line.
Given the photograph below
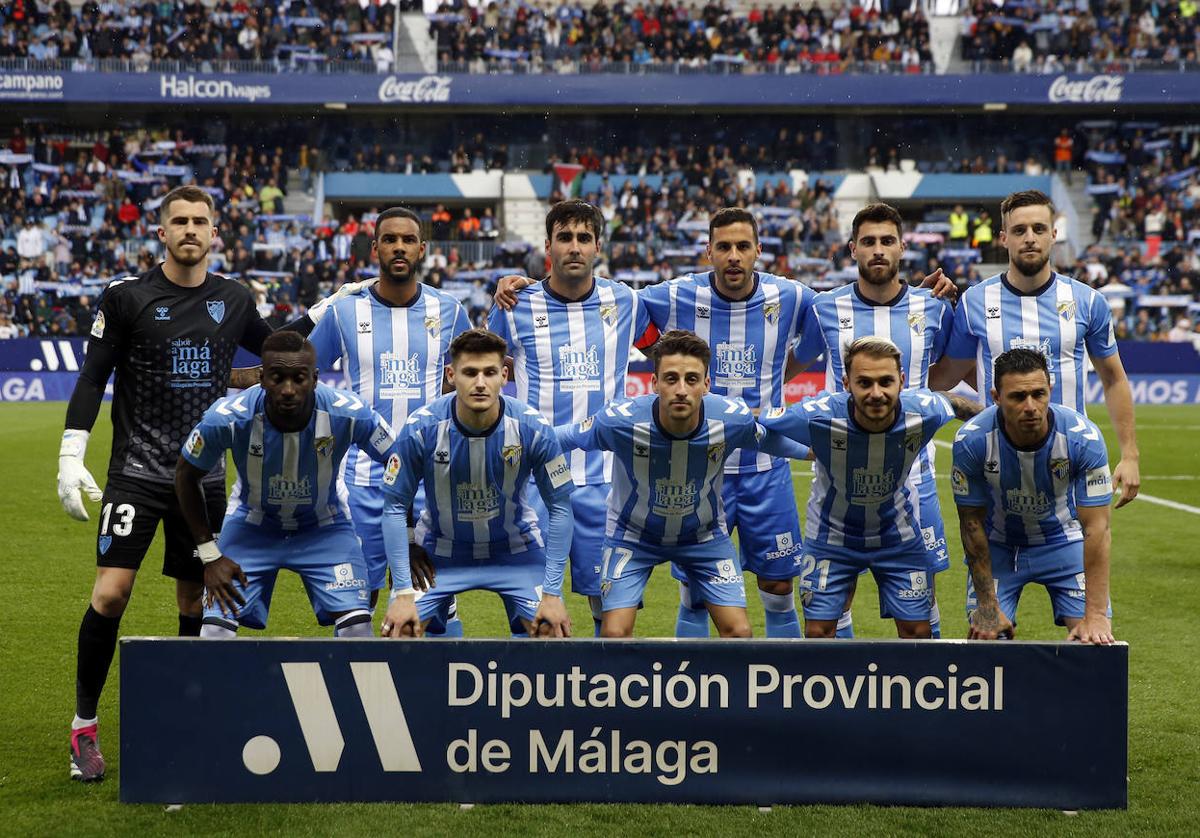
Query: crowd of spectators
564, 37
291, 33
1047, 36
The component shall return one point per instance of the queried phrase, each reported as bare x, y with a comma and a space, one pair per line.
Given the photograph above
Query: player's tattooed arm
987, 621
242, 377
964, 409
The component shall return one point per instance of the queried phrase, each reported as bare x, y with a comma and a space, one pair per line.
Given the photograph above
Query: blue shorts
519, 585
328, 559
827, 574
590, 507
762, 506
366, 509
712, 572
933, 533
1058, 567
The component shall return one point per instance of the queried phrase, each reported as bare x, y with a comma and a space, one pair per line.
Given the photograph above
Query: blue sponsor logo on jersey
216, 310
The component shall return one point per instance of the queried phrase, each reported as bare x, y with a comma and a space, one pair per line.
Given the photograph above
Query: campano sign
1095, 89
423, 90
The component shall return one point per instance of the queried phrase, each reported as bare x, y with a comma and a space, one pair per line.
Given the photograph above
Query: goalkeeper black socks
97, 643
190, 626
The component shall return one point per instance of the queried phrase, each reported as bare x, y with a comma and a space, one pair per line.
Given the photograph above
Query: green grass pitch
47, 567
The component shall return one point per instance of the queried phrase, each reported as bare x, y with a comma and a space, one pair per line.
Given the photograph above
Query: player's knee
914, 630
613, 629
779, 587
820, 629
111, 591
737, 628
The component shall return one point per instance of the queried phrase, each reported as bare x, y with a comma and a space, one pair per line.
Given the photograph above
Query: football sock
935, 621
97, 643
454, 628
691, 622
354, 624
597, 606
845, 625
189, 626
218, 631
78, 723
781, 617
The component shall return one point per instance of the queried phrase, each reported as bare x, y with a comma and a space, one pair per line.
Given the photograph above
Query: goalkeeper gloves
74, 480
318, 309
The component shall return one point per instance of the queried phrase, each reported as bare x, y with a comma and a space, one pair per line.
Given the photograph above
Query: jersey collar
668, 434
551, 292
416, 297
1035, 292
712, 283
889, 303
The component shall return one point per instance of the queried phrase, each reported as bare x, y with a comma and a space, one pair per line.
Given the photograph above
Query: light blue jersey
861, 498
1031, 496
666, 490
916, 321
1064, 320
287, 480
394, 356
749, 338
475, 483
570, 357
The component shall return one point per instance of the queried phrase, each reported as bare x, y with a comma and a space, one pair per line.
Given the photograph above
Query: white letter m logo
380, 701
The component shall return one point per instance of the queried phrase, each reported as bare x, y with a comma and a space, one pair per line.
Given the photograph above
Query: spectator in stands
468, 226
960, 225
440, 224
981, 234
8, 331
31, 244
1064, 151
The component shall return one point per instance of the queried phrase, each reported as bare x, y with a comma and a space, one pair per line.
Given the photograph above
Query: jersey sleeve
644, 332
805, 298
791, 422
206, 444
404, 466
941, 337
937, 409
550, 470
1100, 338
1093, 480
962, 343
327, 340
372, 434
498, 322
967, 481
657, 301
592, 434
462, 322
110, 327
812, 339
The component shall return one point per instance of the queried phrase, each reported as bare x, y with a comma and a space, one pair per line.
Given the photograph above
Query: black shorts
129, 516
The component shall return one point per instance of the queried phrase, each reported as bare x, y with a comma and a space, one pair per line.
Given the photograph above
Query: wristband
409, 591
208, 551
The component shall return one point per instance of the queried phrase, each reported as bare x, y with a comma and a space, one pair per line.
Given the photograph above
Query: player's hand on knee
551, 619
1095, 629
219, 587
424, 576
988, 622
507, 288
74, 480
402, 619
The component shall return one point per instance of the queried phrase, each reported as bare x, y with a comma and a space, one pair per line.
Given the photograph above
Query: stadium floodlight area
753, 722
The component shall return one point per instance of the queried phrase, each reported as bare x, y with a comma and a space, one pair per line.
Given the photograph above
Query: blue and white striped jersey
1064, 321
749, 338
394, 356
666, 490
287, 480
475, 483
916, 321
861, 497
1031, 496
570, 358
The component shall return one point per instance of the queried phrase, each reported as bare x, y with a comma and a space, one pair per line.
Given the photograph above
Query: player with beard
170, 335
882, 304
393, 339
862, 513
1031, 306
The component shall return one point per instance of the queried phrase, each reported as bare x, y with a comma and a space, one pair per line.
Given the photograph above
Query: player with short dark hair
287, 436
1032, 306
1033, 488
861, 512
170, 335
881, 304
393, 338
476, 451
669, 450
